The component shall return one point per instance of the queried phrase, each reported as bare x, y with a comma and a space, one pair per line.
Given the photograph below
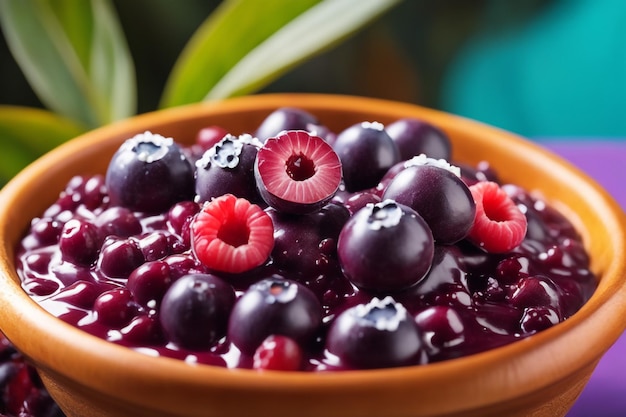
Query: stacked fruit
21, 392
298, 248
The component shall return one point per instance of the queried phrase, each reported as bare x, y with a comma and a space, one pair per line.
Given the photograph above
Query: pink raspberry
232, 235
499, 225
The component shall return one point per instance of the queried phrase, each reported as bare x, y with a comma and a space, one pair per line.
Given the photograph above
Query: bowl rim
608, 299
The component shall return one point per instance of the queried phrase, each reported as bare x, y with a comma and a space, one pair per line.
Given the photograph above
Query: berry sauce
107, 269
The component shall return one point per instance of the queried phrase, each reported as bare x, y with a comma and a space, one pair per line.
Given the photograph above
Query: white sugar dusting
422, 159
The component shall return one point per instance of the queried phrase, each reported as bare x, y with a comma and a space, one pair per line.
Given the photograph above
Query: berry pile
298, 248
21, 392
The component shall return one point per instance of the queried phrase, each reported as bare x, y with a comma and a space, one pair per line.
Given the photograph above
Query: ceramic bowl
539, 376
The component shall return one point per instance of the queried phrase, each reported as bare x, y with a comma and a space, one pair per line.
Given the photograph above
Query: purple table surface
604, 161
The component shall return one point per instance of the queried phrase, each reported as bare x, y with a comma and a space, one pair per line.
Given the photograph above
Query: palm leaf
74, 55
314, 31
233, 29
27, 133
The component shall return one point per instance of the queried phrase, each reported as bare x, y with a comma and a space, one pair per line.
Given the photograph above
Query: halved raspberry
297, 172
232, 235
499, 225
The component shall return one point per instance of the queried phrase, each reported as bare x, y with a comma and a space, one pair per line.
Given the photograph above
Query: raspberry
232, 235
499, 225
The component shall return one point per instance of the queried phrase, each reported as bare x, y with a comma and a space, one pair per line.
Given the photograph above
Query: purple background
604, 161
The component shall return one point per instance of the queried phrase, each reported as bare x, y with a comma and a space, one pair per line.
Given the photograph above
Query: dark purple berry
535, 291
305, 244
538, 318
81, 294
120, 257
380, 334
414, 137
155, 245
79, 242
286, 118
181, 214
195, 309
511, 269
385, 247
228, 168
183, 264
149, 173
149, 282
115, 307
439, 196
47, 231
93, 192
274, 306
143, 330
441, 327
359, 200
118, 221
366, 152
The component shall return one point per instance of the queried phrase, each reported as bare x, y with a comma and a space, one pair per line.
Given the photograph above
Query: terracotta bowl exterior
540, 376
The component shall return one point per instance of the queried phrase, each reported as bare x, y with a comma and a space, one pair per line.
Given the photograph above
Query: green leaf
316, 30
27, 133
203, 73
233, 29
74, 55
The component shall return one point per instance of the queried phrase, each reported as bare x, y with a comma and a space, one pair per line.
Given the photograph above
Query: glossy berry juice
297, 248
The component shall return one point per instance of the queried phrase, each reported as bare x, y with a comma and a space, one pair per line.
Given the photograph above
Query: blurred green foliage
175, 51
76, 57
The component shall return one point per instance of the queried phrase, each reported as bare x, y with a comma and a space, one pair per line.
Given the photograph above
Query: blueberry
380, 334
149, 173
366, 152
274, 306
414, 137
439, 196
228, 168
385, 247
194, 310
286, 118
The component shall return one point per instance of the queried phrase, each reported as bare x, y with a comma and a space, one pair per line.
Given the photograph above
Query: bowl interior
566, 349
